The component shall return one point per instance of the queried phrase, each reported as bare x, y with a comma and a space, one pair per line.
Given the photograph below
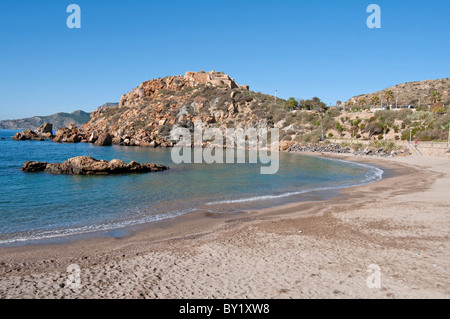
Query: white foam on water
374, 174
59, 233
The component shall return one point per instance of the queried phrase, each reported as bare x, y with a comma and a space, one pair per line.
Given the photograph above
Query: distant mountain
58, 120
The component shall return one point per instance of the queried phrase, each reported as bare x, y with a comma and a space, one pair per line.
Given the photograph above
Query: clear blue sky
301, 48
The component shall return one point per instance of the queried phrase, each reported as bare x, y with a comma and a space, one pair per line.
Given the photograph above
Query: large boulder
117, 140
69, 134
45, 129
104, 139
32, 166
93, 137
26, 136
44, 132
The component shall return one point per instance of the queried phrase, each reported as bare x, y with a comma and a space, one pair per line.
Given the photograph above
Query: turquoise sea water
36, 206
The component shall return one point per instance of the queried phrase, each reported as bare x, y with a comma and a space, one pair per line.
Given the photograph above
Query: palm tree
436, 97
362, 102
375, 100
389, 95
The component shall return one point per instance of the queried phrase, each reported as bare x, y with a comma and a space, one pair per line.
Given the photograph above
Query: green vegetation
436, 97
362, 102
314, 104
291, 104
375, 100
389, 96
339, 127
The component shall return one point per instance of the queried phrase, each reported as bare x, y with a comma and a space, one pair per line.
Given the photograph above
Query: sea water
38, 206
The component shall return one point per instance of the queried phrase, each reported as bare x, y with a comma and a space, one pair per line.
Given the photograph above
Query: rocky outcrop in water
34, 166
27, 135
44, 132
85, 165
69, 134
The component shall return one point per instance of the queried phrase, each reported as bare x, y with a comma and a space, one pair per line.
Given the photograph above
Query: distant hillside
109, 105
58, 120
407, 94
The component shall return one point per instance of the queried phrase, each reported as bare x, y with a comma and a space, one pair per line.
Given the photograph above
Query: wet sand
307, 250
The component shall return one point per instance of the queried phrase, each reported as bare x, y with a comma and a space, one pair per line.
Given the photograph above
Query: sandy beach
324, 249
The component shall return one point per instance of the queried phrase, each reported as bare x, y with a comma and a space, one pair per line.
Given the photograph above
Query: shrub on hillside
374, 128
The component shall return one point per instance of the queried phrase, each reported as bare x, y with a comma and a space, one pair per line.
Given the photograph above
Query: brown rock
68, 135
26, 135
104, 139
85, 165
32, 166
116, 140
45, 129
42, 133
93, 138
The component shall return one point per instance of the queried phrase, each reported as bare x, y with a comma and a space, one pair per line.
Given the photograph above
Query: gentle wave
376, 174
53, 234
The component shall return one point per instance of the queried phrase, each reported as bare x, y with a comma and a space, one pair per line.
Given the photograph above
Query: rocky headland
146, 115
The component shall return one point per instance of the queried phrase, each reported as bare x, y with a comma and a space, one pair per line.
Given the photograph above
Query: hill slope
154, 108
147, 115
409, 94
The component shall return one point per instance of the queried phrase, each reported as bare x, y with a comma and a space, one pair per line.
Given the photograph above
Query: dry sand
400, 224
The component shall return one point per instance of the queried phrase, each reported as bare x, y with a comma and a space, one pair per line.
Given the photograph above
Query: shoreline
188, 236
129, 230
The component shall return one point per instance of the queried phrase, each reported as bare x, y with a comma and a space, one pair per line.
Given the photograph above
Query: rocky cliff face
146, 115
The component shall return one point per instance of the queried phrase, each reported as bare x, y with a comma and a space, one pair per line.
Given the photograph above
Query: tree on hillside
314, 104
339, 102
436, 97
389, 96
291, 104
362, 102
375, 100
